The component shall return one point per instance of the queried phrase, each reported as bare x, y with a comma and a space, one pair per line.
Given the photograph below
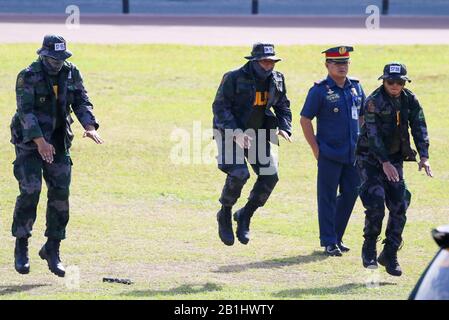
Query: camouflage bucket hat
55, 47
263, 51
395, 70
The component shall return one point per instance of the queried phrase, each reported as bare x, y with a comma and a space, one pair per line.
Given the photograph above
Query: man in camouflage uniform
383, 145
47, 91
244, 125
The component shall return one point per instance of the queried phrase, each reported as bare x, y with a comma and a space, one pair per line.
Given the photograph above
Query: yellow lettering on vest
261, 99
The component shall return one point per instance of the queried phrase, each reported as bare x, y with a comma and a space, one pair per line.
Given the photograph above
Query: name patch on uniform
395, 69
60, 46
268, 49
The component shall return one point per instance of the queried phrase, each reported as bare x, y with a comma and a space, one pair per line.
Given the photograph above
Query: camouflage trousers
28, 170
376, 192
238, 174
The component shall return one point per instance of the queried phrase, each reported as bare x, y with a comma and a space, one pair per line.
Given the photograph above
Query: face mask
260, 72
52, 66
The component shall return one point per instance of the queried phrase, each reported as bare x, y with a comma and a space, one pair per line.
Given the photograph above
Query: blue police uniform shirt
337, 111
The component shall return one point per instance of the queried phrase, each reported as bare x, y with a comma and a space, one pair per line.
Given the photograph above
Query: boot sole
374, 265
44, 257
370, 266
22, 271
335, 254
228, 243
391, 273
243, 241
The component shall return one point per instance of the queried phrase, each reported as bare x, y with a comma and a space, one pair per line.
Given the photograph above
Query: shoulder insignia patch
20, 81
320, 81
277, 76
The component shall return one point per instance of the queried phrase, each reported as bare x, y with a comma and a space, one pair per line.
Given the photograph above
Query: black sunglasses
392, 82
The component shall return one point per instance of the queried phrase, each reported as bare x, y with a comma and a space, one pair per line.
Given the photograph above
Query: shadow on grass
5, 290
274, 263
343, 289
184, 289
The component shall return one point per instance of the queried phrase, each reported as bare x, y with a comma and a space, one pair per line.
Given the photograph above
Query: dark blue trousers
234, 164
334, 210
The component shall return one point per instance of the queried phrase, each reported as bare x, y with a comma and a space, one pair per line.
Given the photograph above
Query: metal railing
255, 6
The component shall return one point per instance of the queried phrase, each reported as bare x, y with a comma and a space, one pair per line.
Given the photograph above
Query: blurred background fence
230, 7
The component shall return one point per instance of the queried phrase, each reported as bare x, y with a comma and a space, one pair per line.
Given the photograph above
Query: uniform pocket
16, 131
42, 98
70, 95
244, 88
386, 117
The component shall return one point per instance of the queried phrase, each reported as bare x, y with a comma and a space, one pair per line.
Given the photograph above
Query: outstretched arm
420, 136
83, 109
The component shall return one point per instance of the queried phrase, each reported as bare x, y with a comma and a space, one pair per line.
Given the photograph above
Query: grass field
136, 215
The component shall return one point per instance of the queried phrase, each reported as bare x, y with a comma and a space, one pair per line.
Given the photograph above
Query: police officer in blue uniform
336, 103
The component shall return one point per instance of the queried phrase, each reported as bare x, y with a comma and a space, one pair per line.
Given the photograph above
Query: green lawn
135, 214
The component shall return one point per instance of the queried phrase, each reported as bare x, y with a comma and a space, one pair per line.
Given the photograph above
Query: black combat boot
333, 251
343, 247
21, 259
243, 219
369, 254
389, 259
225, 232
50, 252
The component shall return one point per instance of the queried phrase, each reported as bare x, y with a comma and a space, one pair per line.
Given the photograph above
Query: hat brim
58, 55
273, 58
338, 60
394, 77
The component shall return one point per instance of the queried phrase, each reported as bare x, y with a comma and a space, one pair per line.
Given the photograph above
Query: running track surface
226, 30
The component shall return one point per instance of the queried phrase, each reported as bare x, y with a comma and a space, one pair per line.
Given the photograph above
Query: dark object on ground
117, 280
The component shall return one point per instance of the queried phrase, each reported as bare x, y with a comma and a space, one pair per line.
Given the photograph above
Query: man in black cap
244, 125
336, 104
47, 92
383, 146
